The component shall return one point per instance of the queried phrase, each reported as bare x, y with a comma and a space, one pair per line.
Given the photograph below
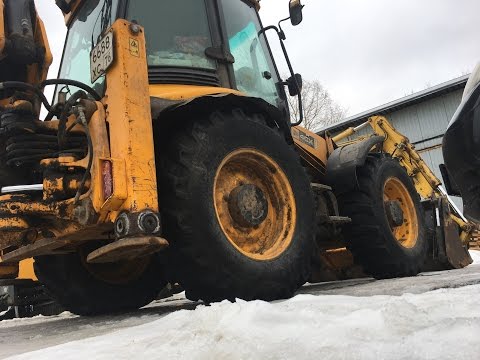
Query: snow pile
475, 254
442, 324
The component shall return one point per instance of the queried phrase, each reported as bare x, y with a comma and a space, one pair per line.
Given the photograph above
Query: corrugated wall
428, 119
425, 123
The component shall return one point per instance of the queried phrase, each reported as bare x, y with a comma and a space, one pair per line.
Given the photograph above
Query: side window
254, 70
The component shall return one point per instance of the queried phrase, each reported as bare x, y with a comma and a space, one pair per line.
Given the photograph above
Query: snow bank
442, 324
475, 256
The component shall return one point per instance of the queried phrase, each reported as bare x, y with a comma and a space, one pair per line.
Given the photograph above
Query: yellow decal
134, 47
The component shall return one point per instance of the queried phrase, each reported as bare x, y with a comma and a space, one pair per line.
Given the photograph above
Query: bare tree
319, 108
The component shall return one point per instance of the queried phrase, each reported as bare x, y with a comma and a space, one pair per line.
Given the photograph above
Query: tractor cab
216, 46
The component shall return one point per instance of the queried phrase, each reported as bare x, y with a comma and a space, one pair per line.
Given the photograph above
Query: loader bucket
461, 152
446, 250
457, 254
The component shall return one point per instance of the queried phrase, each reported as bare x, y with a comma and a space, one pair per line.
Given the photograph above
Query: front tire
387, 235
238, 209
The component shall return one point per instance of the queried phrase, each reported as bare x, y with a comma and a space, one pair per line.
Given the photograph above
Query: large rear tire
387, 235
94, 289
238, 209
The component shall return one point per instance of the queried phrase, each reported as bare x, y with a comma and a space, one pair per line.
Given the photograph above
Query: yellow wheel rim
254, 204
407, 232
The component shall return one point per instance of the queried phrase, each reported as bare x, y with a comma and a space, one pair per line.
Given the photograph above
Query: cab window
255, 73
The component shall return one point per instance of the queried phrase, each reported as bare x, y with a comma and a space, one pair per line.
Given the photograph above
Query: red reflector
107, 179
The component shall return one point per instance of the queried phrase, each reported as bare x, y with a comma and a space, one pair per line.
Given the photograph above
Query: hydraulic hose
25, 86
75, 83
80, 94
84, 123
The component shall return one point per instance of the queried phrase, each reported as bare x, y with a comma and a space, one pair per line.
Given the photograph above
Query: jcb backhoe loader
168, 155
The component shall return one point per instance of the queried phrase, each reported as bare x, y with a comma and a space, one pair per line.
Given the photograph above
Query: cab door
254, 70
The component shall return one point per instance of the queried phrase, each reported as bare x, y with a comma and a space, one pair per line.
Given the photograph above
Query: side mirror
296, 15
295, 84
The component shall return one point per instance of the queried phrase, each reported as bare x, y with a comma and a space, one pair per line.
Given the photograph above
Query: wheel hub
400, 212
248, 205
394, 213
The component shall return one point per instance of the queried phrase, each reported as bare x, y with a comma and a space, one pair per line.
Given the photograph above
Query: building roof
435, 91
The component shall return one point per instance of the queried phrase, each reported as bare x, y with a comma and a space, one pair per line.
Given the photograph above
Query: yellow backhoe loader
168, 155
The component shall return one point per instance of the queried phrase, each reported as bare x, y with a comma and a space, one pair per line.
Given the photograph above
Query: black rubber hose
56, 110
70, 128
25, 86
75, 83
62, 124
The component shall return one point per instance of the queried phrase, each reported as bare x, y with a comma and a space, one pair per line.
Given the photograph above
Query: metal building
422, 117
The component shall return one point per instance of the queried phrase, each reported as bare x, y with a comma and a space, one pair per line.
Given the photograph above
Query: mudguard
461, 152
343, 163
206, 103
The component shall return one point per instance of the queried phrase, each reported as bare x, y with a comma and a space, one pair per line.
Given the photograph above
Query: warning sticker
134, 47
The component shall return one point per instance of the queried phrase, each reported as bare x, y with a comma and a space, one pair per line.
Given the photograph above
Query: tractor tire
387, 235
95, 289
237, 209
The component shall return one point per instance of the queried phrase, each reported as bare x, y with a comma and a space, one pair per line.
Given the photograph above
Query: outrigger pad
457, 253
127, 249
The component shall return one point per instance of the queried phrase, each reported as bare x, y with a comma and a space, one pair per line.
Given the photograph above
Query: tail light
107, 178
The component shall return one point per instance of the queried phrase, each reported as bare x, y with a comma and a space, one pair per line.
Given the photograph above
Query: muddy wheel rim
254, 204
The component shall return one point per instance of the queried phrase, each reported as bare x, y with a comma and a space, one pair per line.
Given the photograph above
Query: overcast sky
365, 52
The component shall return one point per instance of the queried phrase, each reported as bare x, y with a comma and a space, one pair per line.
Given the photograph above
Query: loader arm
425, 181
24, 50
25, 54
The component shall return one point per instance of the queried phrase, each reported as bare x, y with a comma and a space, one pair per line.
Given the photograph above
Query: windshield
177, 32
86, 29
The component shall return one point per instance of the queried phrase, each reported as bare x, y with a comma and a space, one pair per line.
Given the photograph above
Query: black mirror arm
281, 33
281, 37
300, 109
271, 27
